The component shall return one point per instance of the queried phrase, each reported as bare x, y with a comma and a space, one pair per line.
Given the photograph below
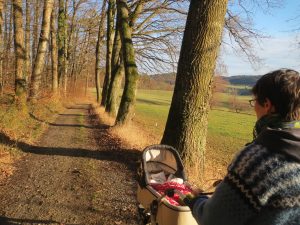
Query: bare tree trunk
66, 49
54, 54
125, 112
98, 52
8, 39
117, 63
117, 73
27, 42
112, 104
109, 46
61, 42
86, 83
35, 29
1, 46
20, 82
42, 48
186, 127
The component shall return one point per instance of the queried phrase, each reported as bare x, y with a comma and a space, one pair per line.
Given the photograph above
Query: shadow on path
68, 125
128, 157
14, 221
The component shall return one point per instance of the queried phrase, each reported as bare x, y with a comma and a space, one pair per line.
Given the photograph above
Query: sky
278, 50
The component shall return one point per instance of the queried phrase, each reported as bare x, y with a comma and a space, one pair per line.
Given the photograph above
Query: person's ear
269, 106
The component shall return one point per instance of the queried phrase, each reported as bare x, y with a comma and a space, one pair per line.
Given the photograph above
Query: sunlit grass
227, 131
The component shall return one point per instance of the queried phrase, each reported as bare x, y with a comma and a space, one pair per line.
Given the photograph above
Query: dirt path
76, 174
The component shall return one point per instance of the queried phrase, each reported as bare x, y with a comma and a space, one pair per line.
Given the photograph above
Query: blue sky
279, 49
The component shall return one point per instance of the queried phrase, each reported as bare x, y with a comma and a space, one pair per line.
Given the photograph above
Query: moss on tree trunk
109, 47
125, 112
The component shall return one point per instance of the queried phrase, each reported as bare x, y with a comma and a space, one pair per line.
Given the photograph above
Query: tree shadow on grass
15, 221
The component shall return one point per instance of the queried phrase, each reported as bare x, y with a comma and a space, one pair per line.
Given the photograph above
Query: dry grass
22, 124
135, 136
131, 135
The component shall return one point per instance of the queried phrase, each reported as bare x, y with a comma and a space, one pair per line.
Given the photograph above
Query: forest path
76, 174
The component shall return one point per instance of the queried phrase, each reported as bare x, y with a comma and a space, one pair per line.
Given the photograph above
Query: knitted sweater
262, 186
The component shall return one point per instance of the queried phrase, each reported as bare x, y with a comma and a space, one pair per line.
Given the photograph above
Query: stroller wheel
143, 216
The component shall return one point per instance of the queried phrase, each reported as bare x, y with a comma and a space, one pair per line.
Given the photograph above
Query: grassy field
227, 131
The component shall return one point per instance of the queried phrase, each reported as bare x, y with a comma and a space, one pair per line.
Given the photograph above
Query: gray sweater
262, 186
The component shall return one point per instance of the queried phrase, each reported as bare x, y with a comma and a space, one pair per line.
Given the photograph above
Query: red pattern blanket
175, 200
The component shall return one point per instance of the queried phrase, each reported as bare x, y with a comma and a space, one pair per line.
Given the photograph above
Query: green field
228, 131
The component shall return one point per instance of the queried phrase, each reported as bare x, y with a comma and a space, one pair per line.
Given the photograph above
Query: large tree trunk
117, 63
1, 45
98, 52
186, 127
117, 73
125, 112
54, 55
20, 82
27, 41
109, 46
61, 42
114, 87
42, 48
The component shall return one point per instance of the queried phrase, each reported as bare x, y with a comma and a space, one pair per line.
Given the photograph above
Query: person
262, 184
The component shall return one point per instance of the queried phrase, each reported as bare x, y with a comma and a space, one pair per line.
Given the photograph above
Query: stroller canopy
157, 158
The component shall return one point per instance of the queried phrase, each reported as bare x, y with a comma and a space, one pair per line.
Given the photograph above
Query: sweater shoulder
265, 178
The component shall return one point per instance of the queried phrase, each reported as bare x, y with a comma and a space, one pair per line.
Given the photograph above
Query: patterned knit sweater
262, 186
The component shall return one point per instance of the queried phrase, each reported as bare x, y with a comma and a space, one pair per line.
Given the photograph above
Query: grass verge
22, 124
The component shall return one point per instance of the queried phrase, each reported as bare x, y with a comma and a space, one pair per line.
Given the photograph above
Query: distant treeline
166, 81
158, 81
247, 80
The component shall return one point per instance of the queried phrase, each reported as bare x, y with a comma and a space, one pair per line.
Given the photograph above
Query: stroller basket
159, 164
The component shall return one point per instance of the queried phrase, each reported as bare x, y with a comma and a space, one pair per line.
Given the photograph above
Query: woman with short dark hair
262, 186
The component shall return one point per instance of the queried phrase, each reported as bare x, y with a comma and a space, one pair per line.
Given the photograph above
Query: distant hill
157, 82
247, 80
166, 81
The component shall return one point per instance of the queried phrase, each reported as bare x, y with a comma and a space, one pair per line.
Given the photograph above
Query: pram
154, 206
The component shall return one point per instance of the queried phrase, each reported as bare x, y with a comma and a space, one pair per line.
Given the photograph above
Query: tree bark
35, 29
20, 82
27, 41
98, 50
109, 46
42, 48
113, 91
117, 73
61, 42
126, 108
8, 40
186, 127
54, 55
66, 49
1, 46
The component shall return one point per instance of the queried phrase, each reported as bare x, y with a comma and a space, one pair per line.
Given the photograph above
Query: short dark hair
282, 88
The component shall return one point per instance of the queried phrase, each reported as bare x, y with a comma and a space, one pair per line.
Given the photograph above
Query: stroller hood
156, 158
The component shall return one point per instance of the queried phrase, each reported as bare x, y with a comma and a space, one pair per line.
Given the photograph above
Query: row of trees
53, 45
186, 127
47, 46
58, 48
